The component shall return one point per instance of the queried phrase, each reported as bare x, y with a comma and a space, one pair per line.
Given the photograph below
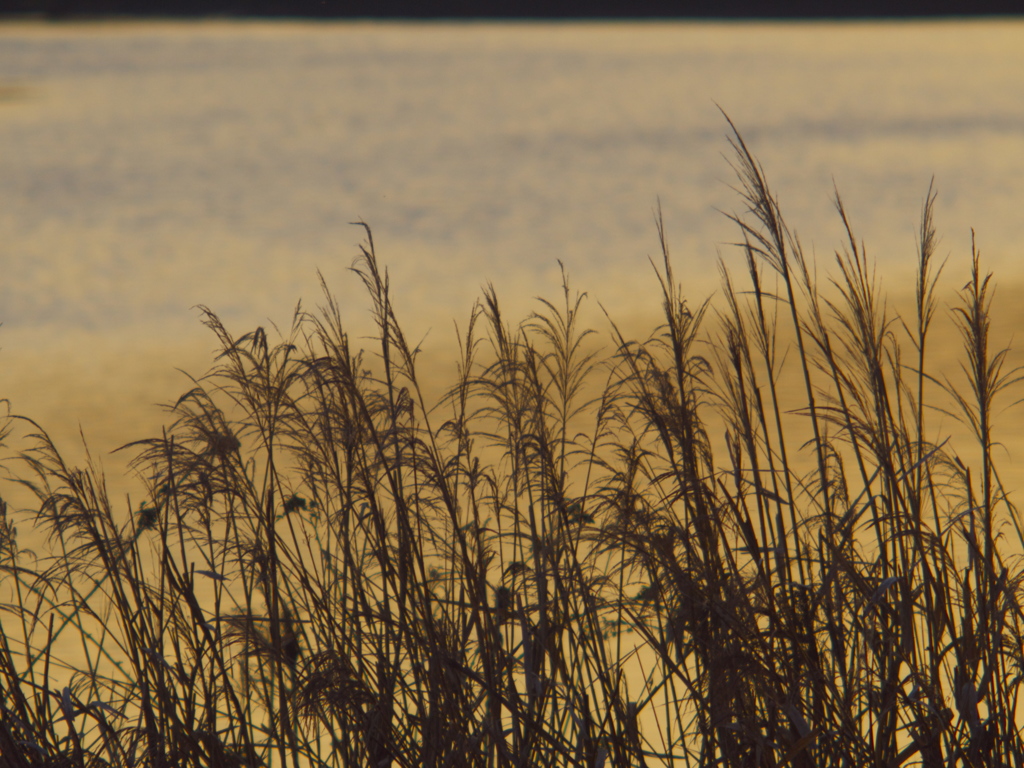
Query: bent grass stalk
732, 542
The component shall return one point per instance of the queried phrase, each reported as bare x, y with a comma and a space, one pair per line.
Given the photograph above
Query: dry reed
682, 569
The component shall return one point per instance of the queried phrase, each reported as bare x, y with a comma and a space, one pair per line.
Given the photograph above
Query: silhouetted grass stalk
649, 558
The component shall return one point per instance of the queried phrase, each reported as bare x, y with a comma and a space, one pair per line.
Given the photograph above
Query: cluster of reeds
737, 542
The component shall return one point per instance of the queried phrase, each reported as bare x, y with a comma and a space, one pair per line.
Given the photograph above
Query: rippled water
146, 168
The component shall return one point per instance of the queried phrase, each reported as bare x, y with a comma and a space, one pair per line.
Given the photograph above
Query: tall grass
740, 541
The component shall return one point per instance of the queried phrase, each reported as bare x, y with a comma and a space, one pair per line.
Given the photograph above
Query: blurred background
547, 9
151, 166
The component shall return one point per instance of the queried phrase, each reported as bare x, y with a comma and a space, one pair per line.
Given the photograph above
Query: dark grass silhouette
649, 558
